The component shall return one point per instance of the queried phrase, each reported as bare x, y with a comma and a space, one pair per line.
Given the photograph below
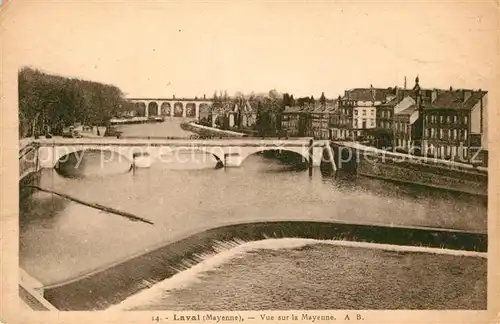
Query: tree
53, 101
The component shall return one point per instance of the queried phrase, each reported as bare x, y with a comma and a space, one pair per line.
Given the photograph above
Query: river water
61, 240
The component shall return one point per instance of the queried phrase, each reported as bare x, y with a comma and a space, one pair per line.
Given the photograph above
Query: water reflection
92, 163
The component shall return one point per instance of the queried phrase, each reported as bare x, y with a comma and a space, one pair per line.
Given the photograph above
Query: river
61, 240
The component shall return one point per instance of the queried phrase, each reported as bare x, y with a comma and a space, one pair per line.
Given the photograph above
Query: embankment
209, 131
427, 172
111, 285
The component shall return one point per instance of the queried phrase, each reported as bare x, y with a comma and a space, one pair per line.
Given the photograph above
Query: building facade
455, 124
341, 120
356, 112
294, 122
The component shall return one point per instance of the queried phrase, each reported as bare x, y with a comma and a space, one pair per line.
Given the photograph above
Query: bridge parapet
232, 151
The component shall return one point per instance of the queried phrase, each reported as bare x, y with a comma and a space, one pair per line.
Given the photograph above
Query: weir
108, 286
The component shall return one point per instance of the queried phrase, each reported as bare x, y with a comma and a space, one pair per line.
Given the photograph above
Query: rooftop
368, 94
456, 99
407, 112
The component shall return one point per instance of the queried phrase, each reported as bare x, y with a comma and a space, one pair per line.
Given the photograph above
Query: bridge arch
166, 109
191, 110
301, 155
153, 108
218, 154
140, 108
178, 109
51, 157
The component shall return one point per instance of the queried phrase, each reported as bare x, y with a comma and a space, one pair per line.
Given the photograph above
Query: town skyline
245, 47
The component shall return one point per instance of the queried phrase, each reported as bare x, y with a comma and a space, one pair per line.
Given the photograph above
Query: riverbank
105, 287
205, 131
405, 168
136, 120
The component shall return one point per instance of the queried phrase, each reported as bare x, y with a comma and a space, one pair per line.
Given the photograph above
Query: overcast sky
156, 49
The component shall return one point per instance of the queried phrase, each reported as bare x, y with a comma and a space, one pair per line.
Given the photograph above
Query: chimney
173, 96
467, 94
373, 91
204, 96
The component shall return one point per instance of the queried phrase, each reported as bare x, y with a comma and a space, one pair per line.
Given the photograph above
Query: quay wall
209, 131
408, 169
105, 287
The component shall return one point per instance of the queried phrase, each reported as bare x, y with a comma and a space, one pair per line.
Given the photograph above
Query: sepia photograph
249, 161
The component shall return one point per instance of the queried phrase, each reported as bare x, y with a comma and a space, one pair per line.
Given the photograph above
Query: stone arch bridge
231, 152
171, 107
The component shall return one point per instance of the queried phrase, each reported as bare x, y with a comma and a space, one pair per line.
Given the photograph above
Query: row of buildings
448, 124
229, 115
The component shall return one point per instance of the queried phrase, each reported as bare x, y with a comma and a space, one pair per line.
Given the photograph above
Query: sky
158, 49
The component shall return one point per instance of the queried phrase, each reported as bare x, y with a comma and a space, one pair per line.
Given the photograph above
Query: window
465, 119
449, 133
441, 119
373, 112
355, 112
428, 133
372, 123
455, 133
465, 134
441, 133
364, 112
427, 118
448, 119
455, 119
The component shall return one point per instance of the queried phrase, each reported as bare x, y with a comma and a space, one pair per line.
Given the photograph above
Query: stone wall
473, 182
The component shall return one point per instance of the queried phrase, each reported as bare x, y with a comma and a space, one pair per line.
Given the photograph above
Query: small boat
141, 160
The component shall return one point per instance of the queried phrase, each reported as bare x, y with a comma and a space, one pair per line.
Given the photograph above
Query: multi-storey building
311, 120
455, 124
318, 120
357, 112
399, 120
340, 120
290, 121
405, 124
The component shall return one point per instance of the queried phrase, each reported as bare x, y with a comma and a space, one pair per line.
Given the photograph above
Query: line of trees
48, 103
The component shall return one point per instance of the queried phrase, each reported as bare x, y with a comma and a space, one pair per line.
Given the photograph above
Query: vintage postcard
249, 161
